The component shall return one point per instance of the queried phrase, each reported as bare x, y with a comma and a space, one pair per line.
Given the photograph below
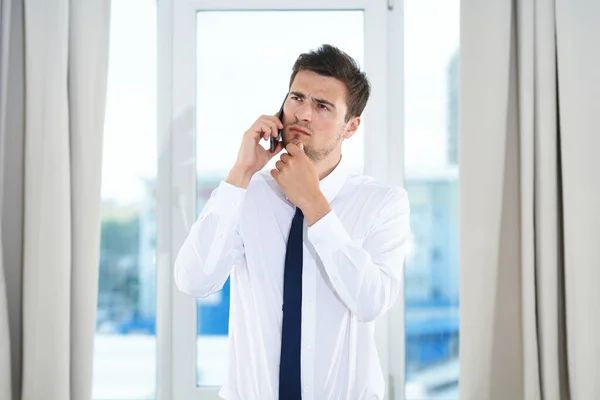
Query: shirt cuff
328, 233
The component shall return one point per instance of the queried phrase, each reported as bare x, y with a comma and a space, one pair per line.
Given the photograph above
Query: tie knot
298, 214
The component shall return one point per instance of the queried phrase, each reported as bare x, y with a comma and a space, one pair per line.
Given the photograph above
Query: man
315, 254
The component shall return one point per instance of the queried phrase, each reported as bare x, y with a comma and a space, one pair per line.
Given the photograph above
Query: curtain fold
530, 263
88, 66
578, 46
52, 161
5, 351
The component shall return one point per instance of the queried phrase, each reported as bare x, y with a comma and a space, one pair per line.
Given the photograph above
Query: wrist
315, 208
239, 177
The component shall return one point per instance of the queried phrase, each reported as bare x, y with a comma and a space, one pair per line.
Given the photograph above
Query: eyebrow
322, 101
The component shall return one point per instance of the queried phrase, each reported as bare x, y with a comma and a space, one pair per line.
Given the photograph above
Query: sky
130, 148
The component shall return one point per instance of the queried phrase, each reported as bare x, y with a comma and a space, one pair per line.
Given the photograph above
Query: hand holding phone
252, 156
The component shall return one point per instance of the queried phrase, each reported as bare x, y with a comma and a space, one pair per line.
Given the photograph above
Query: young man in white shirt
315, 254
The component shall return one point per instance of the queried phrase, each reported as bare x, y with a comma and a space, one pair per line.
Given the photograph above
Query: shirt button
306, 389
308, 346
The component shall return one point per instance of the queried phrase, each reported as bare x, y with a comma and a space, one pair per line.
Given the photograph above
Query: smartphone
279, 138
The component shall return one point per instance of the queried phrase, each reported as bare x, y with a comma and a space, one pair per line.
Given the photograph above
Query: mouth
299, 130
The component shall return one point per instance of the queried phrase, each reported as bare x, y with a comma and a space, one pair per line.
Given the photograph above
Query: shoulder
378, 193
386, 206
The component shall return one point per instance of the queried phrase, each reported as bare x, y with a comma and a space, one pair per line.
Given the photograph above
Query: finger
259, 130
261, 123
266, 129
275, 119
293, 149
279, 165
300, 147
275, 174
285, 158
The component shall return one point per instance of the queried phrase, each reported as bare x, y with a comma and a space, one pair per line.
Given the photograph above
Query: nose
304, 112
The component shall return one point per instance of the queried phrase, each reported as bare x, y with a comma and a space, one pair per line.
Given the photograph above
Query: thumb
301, 146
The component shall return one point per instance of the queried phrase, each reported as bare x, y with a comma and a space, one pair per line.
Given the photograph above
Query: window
125, 342
232, 63
210, 54
431, 178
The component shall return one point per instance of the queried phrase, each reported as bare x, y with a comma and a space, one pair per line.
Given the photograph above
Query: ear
351, 127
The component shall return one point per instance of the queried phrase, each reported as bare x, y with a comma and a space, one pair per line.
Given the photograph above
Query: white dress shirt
352, 272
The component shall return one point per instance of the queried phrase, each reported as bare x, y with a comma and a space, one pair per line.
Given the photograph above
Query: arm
213, 245
366, 276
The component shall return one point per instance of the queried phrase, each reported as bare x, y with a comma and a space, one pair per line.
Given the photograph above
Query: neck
326, 166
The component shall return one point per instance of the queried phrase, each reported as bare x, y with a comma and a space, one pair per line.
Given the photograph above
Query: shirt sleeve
213, 245
366, 274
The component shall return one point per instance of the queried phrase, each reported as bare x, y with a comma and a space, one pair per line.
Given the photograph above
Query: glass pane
244, 62
125, 342
431, 165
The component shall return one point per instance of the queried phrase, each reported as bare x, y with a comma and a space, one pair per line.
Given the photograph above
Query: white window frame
395, 168
384, 160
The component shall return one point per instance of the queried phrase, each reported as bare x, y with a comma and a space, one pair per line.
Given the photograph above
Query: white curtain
530, 200
5, 353
66, 61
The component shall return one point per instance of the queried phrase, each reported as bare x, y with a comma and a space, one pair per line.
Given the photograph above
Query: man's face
314, 113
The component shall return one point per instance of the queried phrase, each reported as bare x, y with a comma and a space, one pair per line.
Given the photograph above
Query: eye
295, 98
323, 107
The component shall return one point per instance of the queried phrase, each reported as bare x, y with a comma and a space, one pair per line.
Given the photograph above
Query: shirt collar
332, 184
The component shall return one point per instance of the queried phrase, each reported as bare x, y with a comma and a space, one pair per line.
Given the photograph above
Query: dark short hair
328, 60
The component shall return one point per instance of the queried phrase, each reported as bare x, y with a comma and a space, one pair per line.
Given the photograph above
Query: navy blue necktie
289, 365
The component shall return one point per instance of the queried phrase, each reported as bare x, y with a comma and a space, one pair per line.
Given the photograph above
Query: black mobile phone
279, 138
